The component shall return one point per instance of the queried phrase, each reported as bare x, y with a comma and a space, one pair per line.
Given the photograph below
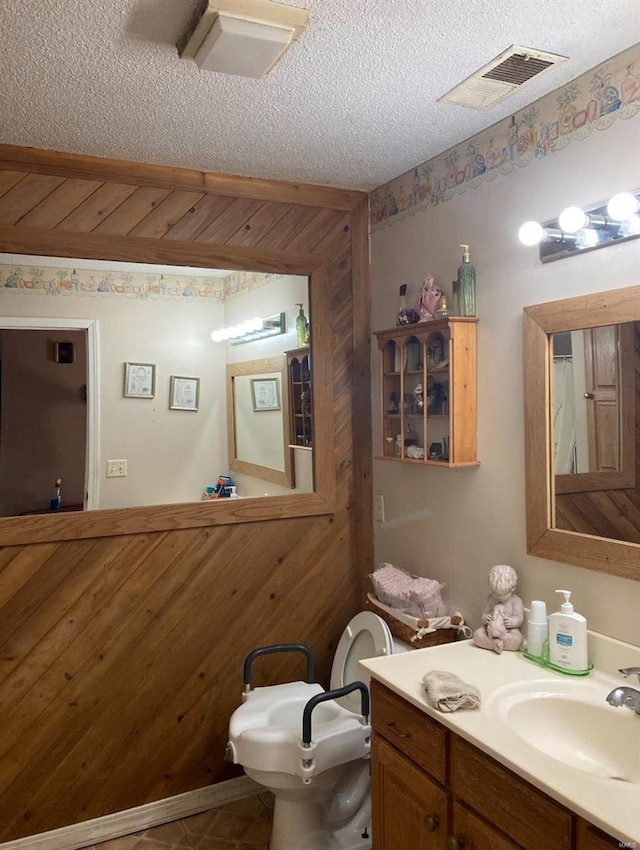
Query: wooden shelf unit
439, 355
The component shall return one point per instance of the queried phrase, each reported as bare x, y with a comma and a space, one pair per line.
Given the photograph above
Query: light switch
378, 508
116, 469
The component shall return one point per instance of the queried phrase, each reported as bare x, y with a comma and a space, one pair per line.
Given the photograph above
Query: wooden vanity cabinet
409, 809
592, 838
433, 790
428, 392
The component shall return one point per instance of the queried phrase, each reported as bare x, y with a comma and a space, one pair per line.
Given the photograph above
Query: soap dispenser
568, 637
302, 328
466, 284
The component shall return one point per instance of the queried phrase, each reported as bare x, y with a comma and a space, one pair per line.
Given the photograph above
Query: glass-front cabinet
299, 369
428, 392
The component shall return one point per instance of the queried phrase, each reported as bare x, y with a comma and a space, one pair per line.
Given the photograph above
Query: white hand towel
447, 692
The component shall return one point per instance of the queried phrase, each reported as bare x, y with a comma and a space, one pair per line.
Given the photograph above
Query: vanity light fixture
578, 229
251, 330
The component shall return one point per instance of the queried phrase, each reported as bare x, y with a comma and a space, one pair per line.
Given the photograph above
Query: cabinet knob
392, 728
431, 822
456, 843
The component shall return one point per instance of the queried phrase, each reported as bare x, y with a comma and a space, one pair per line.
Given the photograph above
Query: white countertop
612, 805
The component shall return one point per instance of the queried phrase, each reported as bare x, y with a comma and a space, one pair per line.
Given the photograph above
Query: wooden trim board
134, 820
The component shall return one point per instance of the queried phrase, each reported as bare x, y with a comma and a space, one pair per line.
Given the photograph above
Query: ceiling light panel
243, 37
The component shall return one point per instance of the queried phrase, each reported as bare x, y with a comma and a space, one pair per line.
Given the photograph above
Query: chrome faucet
624, 695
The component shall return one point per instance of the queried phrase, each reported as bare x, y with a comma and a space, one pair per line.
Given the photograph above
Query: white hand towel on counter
447, 692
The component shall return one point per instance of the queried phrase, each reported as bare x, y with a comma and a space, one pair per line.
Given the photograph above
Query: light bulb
587, 238
622, 206
572, 219
531, 233
630, 227
216, 336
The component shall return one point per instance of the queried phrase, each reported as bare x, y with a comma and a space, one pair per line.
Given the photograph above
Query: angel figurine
428, 299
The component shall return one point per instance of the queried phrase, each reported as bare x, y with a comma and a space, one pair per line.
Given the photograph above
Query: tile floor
241, 825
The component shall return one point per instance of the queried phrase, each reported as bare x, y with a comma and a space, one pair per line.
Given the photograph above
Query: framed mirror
583, 490
191, 511
258, 416
73, 411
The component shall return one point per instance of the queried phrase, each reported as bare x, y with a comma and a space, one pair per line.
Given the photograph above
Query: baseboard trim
134, 820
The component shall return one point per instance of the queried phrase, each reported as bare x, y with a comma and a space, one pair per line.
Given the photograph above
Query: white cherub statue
504, 615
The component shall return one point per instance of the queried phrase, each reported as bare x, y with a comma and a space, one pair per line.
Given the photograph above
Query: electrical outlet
116, 469
378, 508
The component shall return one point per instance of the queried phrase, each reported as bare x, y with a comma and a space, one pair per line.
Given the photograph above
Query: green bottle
466, 285
302, 328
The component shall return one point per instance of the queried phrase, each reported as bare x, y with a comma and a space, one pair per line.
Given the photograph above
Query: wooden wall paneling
19, 200
17, 566
230, 221
125, 704
9, 179
198, 217
86, 679
293, 221
41, 641
131, 212
60, 203
314, 231
129, 657
166, 215
258, 225
16, 158
98, 206
362, 540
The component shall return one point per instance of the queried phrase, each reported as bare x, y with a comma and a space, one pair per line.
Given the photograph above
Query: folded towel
447, 692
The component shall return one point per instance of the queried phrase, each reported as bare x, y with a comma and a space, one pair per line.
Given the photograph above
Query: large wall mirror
89, 338
582, 430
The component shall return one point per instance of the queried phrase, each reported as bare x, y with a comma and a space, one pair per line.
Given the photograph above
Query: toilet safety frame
335, 694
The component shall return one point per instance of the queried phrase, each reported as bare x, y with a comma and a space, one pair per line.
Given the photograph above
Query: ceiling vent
501, 77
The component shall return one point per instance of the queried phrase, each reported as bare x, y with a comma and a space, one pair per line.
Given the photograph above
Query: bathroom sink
572, 723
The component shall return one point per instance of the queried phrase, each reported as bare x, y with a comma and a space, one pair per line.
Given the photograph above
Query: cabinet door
591, 838
469, 832
408, 809
508, 801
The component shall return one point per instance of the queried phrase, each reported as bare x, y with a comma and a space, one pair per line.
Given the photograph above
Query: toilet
310, 747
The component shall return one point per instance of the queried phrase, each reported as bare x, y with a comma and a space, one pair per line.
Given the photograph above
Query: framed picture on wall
265, 394
139, 380
64, 352
184, 393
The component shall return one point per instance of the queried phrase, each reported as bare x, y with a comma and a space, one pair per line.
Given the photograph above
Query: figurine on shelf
393, 406
428, 299
504, 615
418, 396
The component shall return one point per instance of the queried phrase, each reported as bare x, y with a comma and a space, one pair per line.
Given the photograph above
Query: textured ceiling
351, 105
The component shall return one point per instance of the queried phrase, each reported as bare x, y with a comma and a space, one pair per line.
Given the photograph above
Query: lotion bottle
568, 637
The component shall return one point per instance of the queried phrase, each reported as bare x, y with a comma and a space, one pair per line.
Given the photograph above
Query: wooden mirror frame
618, 306
245, 368
103, 523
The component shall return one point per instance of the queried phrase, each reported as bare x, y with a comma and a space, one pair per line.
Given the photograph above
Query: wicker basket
405, 633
